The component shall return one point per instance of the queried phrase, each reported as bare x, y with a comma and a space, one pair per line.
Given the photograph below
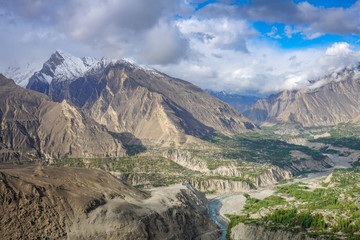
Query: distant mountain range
336, 100
240, 102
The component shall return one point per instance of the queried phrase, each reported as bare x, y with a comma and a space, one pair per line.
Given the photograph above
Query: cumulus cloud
130, 27
338, 56
335, 58
339, 49
112, 28
164, 44
202, 71
269, 69
214, 47
311, 21
222, 33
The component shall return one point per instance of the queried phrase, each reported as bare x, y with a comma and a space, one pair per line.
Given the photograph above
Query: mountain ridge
149, 104
336, 101
34, 127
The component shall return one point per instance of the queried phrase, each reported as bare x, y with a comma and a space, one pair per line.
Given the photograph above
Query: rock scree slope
72, 203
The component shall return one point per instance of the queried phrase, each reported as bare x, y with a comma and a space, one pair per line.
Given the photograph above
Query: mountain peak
62, 66
63, 54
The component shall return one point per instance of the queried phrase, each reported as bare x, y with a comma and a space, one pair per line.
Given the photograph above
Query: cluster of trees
305, 220
292, 218
260, 148
346, 225
320, 198
253, 204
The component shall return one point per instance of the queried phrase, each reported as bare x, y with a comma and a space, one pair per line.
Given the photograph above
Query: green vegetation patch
69, 162
320, 198
293, 218
253, 205
343, 135
156, 171
260, 148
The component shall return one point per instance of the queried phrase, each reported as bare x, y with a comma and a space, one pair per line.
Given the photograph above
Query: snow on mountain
336, 76
21, 73
63, 66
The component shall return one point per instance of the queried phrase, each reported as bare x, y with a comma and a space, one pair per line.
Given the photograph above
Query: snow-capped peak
21, 73
63, 66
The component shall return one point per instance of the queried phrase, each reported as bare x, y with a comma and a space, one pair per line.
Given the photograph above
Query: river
215, 214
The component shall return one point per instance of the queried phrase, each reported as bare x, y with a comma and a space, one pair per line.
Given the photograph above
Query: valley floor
233, 204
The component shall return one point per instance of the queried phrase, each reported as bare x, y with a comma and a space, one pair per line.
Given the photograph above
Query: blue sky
243, 46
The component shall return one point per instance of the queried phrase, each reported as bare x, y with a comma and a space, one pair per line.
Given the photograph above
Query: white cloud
164, 44
196, 71
339, 49
215, 47
289, 31
315, 21
223, 33
109, 28
274, 33
267, 68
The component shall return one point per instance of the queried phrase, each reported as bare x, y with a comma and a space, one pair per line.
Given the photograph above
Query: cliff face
300, 162
272, 176
32, 126
336, 101
86, 204
222, 186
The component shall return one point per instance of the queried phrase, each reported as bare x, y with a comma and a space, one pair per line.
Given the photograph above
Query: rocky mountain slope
149, 104
32, 127
73, 203
338, 100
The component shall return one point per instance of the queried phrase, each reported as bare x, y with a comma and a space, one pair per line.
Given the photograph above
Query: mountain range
83, 107
126, 97
336, 100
